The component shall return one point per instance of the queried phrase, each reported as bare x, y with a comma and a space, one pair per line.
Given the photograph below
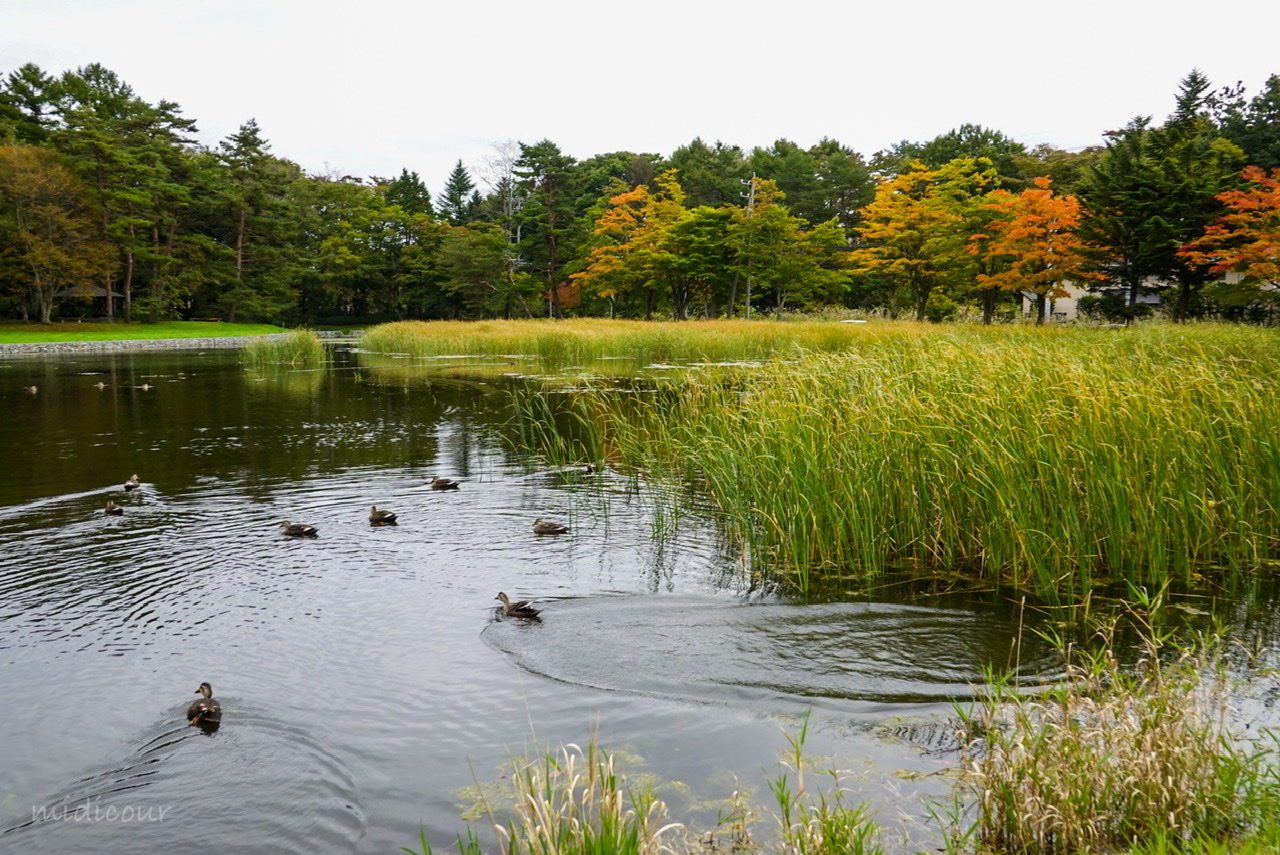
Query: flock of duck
207, 712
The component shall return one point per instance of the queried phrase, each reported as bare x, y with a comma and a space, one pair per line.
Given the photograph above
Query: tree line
106, 194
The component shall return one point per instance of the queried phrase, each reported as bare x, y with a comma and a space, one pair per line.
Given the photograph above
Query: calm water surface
366, 679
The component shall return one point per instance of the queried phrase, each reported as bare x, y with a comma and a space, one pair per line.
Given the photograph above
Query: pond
370, 687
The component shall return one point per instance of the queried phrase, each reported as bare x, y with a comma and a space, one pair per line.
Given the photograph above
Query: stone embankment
146, 344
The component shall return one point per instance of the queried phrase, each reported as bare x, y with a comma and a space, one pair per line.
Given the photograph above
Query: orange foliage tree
1245, 240
1033, 241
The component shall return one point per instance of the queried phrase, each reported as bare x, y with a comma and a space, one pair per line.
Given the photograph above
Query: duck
546, 527
518, 609
298, 529
132, 484
99, 385
384, 517
31, 390
206, 710
444, 484
113, 509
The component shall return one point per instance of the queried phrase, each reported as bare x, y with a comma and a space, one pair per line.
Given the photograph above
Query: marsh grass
301, 348
1050, 461
1118, 759
576, 801
570, 341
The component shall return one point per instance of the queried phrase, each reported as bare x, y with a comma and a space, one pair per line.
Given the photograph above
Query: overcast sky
369, 87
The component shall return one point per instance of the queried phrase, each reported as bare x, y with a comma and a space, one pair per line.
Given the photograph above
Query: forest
110, 208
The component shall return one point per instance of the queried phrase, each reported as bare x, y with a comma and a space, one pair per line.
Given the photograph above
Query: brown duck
384, 517
113, 509
546, 527
444, 484
298, 529
206, 710
518, 609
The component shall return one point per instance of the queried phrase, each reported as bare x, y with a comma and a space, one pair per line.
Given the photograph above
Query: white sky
368, 87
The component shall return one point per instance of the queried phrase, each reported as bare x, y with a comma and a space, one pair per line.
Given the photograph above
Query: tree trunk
1040, 304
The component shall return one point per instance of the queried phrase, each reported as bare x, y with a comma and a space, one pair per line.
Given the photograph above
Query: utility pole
751, 203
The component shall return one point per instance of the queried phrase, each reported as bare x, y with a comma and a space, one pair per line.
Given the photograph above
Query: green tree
257, 225
457, 202
711, 175
549, 184
973, 141
28, 105
409, 193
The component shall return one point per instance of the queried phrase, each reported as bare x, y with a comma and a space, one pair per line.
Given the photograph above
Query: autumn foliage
1246, 239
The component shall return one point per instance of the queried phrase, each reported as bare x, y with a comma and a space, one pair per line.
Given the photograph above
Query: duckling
444, 484
518, 609
206, 710
31, 390
99, 385
298, 529
113, 509
377, 517
546, 527
132, 484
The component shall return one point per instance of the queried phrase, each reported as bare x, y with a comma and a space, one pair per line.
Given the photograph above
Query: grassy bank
1051, 461
34, 333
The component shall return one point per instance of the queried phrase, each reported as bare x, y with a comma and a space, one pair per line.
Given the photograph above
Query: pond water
368, 684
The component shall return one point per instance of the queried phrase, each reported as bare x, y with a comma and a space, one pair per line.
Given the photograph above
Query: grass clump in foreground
1053, 461
576, 802
299, 348
1117, 760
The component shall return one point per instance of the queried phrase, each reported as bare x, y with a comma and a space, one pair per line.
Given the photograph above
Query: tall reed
1051, 461
647, 342
301, 348
1114, 758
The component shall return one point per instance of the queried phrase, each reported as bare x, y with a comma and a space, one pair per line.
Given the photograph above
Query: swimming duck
132, 484
518, 609
30, 390
377, 517
113, 509
298, 529
206, 710
545, 527
444, 484
99, 385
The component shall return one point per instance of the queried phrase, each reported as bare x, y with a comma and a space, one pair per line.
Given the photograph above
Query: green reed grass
649, 342
1114, 758
301, 348
576, 801
1049, 460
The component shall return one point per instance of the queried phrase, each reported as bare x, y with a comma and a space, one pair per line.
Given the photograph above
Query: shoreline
113, 345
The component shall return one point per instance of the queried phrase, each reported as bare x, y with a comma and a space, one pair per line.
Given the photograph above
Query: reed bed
1117, 760
1052, 462
301, 348
577, 340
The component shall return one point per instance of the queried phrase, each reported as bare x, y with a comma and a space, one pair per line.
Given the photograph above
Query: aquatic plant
1050, 460
576, 800
1115, 758
559, 342
300, 348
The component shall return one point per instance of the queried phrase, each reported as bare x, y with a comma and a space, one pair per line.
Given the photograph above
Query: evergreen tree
457, 202
409, 193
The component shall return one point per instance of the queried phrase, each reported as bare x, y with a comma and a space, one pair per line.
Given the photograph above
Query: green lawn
23, 333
